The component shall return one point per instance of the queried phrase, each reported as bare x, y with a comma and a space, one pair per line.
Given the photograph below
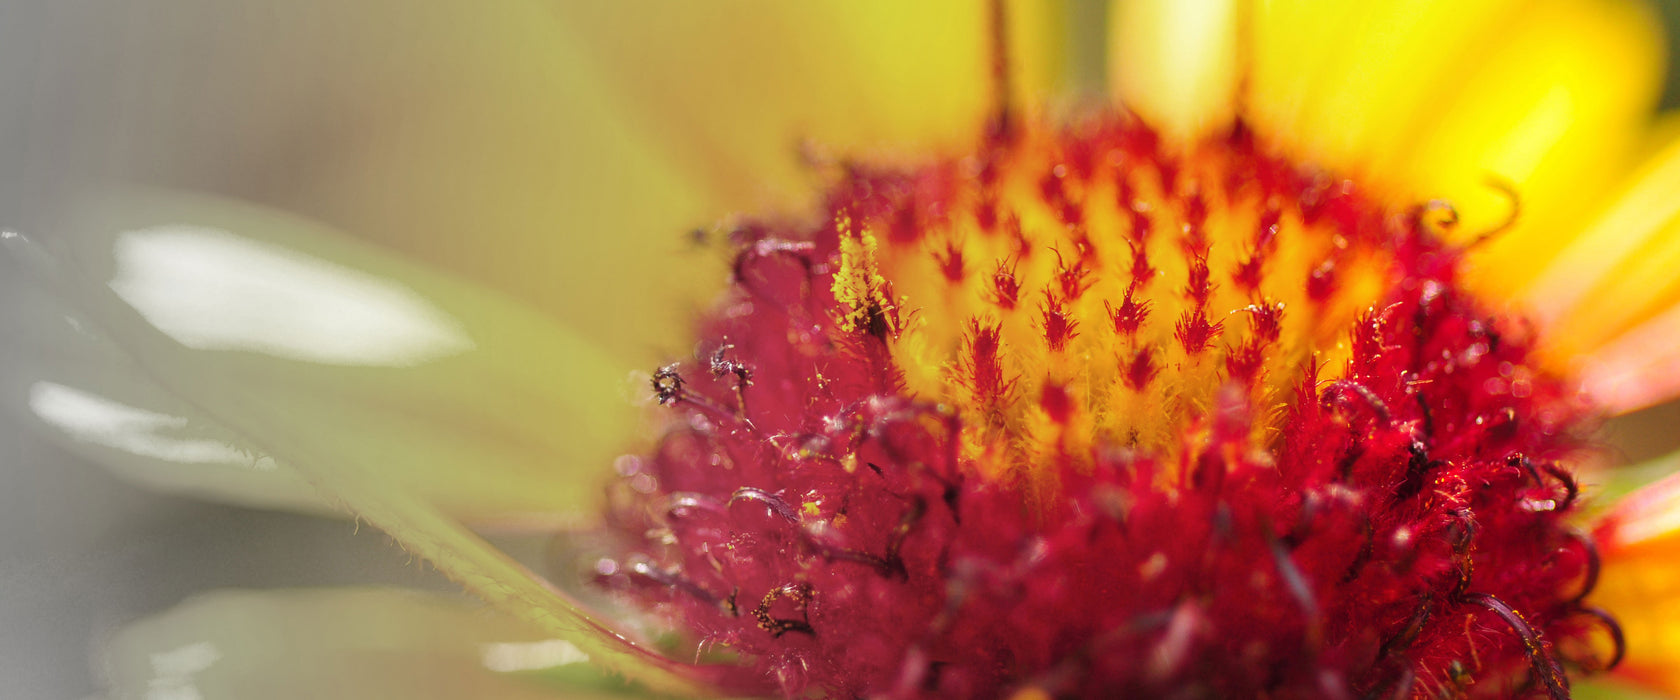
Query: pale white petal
488, 411
191, 337
62, 374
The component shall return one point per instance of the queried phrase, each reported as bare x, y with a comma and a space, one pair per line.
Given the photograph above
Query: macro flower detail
1079, 415
1270, 363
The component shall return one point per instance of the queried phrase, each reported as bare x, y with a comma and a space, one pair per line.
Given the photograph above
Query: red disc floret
1399, 528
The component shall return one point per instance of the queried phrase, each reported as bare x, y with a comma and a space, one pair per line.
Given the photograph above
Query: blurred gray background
81, 553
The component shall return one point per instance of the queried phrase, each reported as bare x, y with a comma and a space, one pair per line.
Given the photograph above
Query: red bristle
1006, 288
1321, 283
1244, 362
1056, 402
983, 370
1251, 270
951, 264
986, 212
1200, 284
1195, 333
1265, 321
1072, 278
1131, 314
1059, 326
1141, 368
1141, 270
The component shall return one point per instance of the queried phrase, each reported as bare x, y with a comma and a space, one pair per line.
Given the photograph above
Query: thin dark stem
1003, 91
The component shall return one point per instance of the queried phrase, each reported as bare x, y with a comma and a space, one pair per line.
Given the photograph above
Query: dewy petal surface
265, 328
344, 643
735, 88
71, 380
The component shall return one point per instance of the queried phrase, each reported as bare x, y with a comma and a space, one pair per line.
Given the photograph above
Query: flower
397, 462
1085, 416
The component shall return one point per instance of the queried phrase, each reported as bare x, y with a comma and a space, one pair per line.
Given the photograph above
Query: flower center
1081, 415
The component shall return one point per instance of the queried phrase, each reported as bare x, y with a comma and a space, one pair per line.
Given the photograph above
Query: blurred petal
472, 136
1434, 99
735, 88
1639, 540
260, 327
346, 643
64, 376
1610, 689
147, 436
1340, 82
493, 576
412, 398
1555, 110
1175, 63
1637, 369
1613, 292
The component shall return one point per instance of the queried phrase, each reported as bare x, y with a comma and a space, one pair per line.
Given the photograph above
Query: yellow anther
859, 287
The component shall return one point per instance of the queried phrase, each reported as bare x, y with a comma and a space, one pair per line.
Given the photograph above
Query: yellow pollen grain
859, 287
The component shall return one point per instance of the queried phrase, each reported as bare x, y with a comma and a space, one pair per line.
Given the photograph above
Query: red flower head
1079, 415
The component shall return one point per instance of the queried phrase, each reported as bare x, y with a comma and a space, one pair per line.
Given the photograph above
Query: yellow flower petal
1639, 585
353, 644
1619, 272
735, 88
472, 136
1555, 110
1341, 83
1176, 63
1432, 99
265, 328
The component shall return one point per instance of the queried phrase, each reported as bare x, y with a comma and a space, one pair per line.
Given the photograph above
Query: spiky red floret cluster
1401, 533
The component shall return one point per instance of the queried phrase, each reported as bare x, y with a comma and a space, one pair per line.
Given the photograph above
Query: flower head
1081, 414
1207, 392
